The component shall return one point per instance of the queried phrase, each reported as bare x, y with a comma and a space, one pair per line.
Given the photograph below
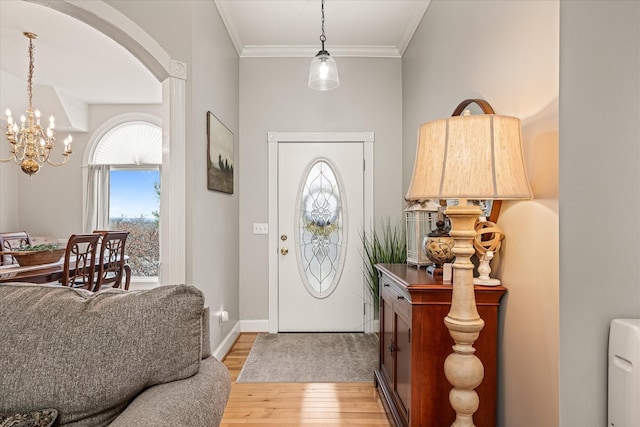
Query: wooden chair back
12, 242
80, 261
112, 264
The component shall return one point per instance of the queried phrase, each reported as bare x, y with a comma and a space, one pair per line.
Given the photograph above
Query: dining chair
80, 261
112, 263
12, 242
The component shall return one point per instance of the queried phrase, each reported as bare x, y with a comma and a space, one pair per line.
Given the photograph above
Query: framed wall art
219, 155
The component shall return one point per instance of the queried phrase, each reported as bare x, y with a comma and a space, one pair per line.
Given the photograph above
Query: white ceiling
70, 56
293, 27
78, 64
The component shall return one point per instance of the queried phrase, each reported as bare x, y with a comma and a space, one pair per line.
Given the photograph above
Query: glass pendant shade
324, 72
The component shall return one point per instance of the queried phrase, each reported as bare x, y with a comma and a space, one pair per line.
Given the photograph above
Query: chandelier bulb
67, 144
324, 70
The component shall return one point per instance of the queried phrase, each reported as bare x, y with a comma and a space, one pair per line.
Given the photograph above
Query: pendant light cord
323, 38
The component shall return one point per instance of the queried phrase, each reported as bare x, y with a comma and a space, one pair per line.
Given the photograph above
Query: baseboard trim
227, 342
254, 325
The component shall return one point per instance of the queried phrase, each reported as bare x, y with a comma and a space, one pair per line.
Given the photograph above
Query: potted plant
386, 244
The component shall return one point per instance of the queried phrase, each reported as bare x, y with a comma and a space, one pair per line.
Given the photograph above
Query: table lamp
467, 157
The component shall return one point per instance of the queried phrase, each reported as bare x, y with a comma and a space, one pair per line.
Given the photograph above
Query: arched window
123, 189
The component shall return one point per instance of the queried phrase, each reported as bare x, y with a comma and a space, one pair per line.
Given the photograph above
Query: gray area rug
311, 358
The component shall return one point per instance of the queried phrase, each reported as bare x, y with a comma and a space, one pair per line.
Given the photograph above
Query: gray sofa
118, 358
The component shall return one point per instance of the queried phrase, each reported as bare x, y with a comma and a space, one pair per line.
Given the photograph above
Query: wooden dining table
45, 273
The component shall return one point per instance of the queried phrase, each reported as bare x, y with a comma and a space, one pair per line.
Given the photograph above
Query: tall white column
173, 194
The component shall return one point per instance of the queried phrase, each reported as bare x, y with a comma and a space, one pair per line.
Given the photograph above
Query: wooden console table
414, 342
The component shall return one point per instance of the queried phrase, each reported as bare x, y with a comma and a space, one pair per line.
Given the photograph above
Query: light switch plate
260, 228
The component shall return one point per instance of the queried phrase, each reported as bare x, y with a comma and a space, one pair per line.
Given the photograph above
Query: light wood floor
298, 404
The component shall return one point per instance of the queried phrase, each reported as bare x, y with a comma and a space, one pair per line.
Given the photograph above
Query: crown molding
225, 14
311, 51
412, 27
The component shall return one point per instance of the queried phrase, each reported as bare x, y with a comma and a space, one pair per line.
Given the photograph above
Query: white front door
320, 218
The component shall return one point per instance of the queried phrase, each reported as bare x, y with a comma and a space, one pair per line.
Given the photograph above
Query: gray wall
507, 54
212, 217
274, 97
600, 188
193, 32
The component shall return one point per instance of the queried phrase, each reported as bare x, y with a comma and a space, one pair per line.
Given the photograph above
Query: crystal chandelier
30, 143
323, 74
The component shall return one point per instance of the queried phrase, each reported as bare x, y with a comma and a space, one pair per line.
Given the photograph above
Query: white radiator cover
624, 373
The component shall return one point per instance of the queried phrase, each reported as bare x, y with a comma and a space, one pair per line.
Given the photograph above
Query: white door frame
273, 139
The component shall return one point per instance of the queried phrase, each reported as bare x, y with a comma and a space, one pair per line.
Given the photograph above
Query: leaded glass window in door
321, 228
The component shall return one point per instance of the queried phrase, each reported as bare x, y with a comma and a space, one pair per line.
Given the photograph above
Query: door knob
284, 251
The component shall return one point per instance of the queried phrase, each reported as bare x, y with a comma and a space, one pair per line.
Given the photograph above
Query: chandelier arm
52, 163
42, 156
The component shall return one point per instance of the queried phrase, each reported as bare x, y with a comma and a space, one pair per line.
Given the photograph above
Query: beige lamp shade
470, 157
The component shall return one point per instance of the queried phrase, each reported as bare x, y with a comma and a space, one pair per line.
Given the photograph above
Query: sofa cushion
89, 354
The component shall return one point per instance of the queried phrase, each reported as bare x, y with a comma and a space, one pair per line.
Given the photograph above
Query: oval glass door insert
321, 228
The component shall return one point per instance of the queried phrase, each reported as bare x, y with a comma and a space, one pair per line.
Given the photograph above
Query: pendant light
324, 71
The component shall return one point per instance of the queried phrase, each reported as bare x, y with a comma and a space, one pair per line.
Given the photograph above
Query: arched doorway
172, 74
